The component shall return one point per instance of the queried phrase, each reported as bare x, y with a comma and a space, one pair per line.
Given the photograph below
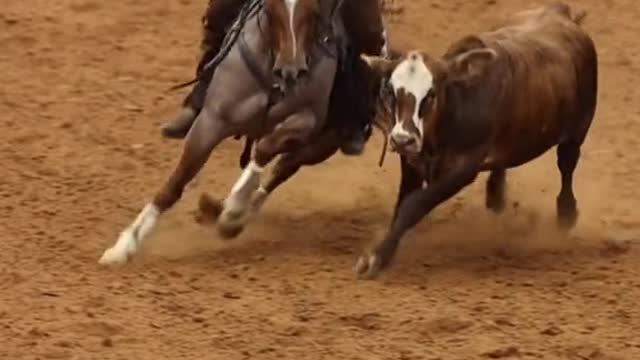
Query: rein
384, 109
247, 11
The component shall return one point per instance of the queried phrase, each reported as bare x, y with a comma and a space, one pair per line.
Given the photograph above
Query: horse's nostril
303, 72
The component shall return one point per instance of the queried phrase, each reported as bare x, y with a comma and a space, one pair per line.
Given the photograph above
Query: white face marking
385, 45
413, 76
132, 237
291, 6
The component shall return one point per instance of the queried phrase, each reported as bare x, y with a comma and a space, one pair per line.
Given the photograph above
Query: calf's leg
495, 191
566, 204
460, 171
410, 182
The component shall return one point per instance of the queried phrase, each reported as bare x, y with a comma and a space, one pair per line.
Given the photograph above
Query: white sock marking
132, 237
251, 169
385, 46
239, 197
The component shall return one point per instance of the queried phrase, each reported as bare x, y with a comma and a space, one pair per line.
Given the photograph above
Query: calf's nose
402, 140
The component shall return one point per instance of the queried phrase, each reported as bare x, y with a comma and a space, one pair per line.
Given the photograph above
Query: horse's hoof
209, 209
368, 266
114, 256
231, 223
230, 231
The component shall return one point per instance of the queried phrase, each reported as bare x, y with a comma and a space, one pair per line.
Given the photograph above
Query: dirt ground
82, 97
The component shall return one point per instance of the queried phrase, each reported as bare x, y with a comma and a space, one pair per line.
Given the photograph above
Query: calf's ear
471, 64
381, 66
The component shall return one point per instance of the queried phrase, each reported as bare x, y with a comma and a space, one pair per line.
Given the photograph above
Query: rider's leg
365, 27
219, 15
364, 24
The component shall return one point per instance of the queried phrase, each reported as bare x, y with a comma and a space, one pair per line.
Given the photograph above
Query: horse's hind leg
495, 190
566, 204
205, 135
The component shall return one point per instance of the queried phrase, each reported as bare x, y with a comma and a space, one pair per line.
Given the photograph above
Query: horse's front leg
286, 137
207, 132
318, 150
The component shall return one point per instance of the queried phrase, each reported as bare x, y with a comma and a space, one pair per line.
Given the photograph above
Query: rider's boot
219, 15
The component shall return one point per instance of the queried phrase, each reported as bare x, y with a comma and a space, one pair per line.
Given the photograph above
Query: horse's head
292, 28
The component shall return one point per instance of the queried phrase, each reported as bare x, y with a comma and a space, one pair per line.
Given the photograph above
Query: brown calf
493, 101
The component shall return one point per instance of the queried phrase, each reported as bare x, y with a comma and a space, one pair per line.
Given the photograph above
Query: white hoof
121, 251
113, 256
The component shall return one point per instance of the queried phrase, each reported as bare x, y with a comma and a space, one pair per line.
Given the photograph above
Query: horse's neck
258, 57
255, 30
330, 8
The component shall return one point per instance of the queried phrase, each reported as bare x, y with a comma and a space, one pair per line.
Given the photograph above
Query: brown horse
349, 103
289, 45
494, 101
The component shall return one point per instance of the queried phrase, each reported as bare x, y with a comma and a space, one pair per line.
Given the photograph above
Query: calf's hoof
567, 213
567, 221
497, 204
368, 266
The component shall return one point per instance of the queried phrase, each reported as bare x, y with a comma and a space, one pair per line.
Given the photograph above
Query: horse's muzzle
288, 74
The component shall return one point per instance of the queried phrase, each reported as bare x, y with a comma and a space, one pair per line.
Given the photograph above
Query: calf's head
418, 91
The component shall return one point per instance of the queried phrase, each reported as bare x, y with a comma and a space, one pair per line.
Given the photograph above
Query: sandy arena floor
82, 97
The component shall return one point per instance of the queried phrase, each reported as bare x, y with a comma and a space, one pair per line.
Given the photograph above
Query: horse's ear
379, 65
472, 63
